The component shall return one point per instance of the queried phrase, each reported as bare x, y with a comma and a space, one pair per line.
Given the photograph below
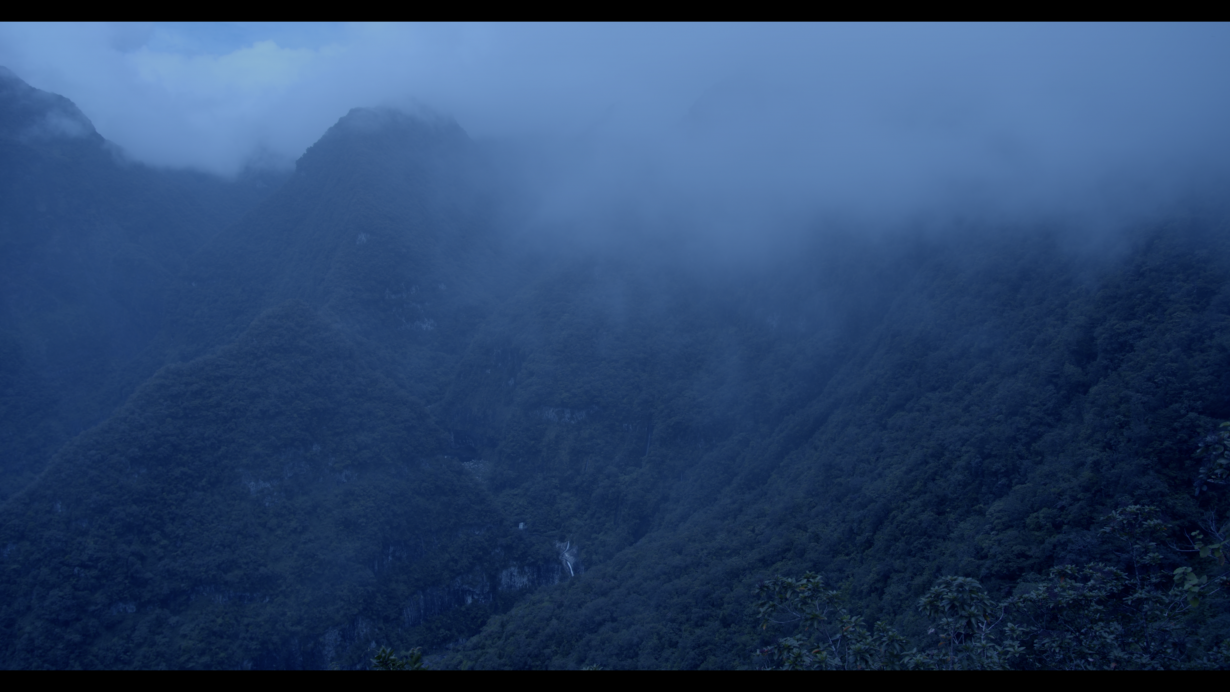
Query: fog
735, 131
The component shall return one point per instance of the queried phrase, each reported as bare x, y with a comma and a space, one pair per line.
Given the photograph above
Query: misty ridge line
727, 152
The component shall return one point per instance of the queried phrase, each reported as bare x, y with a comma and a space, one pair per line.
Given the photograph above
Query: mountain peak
422, 119
384, 130
29, 114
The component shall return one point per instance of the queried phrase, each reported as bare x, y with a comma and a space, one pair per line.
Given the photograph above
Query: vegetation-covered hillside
368, 411
1008, 398
275, 504
89, 246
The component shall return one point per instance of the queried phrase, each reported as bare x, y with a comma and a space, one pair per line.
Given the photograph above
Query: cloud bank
715, 124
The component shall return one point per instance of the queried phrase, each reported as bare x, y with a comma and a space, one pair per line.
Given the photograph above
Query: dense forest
290, 419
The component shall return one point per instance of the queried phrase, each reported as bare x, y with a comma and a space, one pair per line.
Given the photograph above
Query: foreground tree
1094, 616
834, 639
385, 659
1082, 617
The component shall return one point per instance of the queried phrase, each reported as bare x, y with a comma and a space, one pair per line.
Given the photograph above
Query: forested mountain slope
388, 414
1010, 396
277, 504
334, 284
89, 243
380, 227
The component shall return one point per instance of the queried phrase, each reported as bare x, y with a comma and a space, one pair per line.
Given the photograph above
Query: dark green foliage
1214, 451
410, 660
1090, 617
276, 499
89, 247
371, 412
981, 428
840, 641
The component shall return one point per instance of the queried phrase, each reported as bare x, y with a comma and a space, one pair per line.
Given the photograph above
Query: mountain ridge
89, 245
363, 396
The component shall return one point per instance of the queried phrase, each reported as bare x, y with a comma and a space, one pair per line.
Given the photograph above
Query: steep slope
389, 419
88, 246
276, 504
311, 328
1010, 396
599, 393
380, 226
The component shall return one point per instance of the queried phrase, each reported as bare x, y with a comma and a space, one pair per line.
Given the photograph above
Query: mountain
364, 406
1007, 398
239, 508
89, 243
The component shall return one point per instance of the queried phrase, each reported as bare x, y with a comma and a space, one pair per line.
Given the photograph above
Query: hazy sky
847, 117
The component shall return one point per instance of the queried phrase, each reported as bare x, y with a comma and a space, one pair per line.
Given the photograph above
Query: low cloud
722, 126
